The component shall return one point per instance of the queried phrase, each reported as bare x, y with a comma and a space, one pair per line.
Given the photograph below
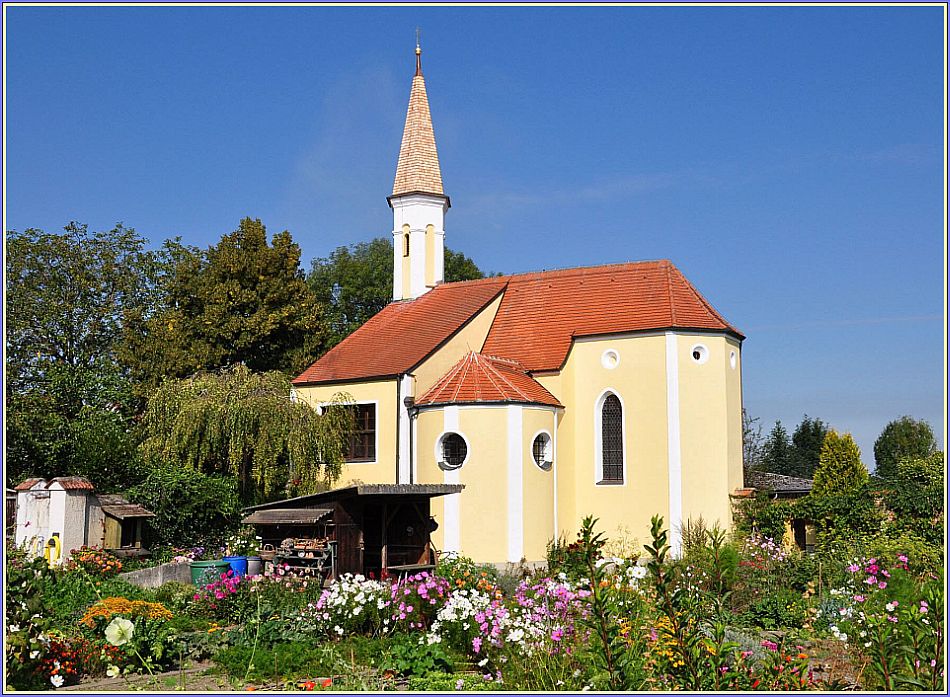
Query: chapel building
612, 391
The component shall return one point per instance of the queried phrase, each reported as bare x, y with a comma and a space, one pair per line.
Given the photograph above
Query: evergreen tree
839, 466
902, 438
807, 442
777, 452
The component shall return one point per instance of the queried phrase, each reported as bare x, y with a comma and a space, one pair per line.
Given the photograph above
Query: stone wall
155, 576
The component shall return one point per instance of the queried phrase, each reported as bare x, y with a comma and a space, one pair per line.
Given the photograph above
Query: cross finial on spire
418, 52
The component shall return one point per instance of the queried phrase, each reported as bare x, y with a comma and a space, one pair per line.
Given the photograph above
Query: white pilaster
515, 483
452, 503
673, 445
406, 386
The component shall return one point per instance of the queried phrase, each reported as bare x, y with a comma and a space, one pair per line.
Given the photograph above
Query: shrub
187, 505
780, 609
463, 573
839, 466
411, 655
102, 612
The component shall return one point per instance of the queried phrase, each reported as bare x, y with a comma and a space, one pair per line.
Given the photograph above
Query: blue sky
788, 160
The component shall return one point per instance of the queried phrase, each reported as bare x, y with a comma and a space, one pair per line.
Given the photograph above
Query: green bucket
204, 572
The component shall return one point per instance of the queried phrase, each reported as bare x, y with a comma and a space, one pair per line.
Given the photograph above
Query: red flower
328, 682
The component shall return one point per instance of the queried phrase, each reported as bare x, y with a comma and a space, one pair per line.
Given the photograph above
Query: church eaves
418, 168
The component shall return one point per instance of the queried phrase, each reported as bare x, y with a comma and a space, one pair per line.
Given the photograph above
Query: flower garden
729, 614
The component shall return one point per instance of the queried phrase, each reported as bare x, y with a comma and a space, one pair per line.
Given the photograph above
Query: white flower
34, 655
639, 572
482, 663
112, 671
119, 631
57, 680
890, 607
14, 628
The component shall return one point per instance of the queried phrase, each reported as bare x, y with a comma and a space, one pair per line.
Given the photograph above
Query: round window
453, 451
541, 451
699, 353
610, 359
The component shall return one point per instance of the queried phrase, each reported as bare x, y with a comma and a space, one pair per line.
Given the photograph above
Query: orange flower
328, 682
803, 655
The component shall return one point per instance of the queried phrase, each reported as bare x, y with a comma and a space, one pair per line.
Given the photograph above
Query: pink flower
477, 644
770, 645
882, 585
870, 580
859, 598
891, 618
902, 557
854, 568
557, 634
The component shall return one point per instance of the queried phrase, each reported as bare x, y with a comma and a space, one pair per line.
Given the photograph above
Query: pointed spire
418, 169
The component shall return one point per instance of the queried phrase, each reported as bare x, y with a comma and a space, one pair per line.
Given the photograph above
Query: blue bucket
238, 565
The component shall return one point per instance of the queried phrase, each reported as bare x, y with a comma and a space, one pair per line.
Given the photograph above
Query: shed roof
778, 483
119, 507
288, 516
371, 490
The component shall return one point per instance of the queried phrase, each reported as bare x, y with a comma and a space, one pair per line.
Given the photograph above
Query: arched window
611, 439
405, 244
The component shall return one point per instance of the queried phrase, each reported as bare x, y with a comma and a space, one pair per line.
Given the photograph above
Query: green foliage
458, 682
571, 558
411, 655
839, 467
807, 441
27, 611
902, 438
243, 300
191, 508
356, 282
780, 609
67, 295
752, 442
243, 424
463, 572
915, 497
777, 451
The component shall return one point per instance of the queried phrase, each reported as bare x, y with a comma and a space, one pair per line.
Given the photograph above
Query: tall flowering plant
896, 621
414, 601
353, 603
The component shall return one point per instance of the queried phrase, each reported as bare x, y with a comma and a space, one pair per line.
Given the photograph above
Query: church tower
418, 201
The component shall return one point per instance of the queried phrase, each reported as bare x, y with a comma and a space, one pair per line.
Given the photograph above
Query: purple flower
557, 634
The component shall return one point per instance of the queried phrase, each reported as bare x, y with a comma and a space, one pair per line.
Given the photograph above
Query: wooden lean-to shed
379, 529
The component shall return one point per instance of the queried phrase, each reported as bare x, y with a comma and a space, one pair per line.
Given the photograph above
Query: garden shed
379, 529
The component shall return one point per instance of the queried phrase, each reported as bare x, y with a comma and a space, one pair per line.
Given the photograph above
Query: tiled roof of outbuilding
539, 316
27, 484
72, 483
480, 379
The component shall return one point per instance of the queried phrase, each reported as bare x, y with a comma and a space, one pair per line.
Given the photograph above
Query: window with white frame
611, 440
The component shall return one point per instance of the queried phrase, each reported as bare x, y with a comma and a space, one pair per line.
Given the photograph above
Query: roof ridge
567, 271
510, 384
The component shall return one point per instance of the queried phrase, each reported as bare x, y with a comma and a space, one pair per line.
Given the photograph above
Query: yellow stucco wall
538, 487
639, 379
710, 427
471, 337
383, 392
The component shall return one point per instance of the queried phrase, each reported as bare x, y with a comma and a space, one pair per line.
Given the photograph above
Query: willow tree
246, 424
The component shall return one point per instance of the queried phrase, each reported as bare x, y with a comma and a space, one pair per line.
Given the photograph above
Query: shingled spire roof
418, 169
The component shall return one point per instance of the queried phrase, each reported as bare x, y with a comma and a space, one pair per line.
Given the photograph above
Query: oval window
541, 451
699, 353
453, 451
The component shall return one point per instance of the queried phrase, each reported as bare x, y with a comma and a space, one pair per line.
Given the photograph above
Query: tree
67, 295
356, 282
776, 454
902, 438
807, 441
241, 301
840, 469
752, 442
244, 424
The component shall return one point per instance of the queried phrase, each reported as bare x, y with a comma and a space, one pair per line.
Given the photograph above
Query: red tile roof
27, 484
539, 316
72, 483
402, 334
478, 378
542, 312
